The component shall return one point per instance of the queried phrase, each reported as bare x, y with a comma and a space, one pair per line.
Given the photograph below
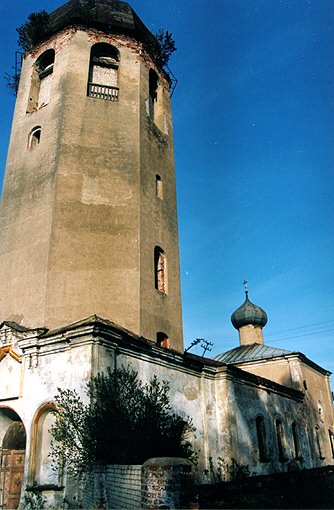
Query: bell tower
88, 220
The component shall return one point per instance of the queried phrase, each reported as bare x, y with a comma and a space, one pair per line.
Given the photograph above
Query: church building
89, 268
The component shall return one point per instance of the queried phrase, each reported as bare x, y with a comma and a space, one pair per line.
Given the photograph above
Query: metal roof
251, 352
113, 16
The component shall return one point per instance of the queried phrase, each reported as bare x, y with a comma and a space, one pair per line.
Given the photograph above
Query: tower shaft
88, 214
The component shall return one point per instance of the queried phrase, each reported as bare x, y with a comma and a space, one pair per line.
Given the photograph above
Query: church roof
258, 352
250, 352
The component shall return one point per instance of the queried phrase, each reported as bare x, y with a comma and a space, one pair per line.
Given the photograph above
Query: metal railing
103, 92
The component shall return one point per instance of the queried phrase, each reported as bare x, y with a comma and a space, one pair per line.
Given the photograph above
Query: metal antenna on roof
245, 284
193, 343
206, 345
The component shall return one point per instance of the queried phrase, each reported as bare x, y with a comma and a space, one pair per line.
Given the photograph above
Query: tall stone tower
88, 213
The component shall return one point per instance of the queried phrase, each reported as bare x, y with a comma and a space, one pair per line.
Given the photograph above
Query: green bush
163, 47
34, 30
125, 422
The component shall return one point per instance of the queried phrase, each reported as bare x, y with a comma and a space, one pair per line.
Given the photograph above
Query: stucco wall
79, 217
222, 402
295, 372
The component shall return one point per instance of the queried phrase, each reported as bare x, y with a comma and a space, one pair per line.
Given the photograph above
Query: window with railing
103, 72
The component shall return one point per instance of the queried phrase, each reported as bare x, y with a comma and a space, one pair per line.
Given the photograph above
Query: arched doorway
12, 456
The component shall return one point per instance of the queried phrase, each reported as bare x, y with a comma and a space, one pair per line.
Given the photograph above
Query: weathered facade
89, 229
243, 421
89, 204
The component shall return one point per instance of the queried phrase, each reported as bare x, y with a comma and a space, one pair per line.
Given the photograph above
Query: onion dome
248, 313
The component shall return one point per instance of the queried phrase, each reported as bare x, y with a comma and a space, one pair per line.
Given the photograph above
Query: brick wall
168, 482
114, 486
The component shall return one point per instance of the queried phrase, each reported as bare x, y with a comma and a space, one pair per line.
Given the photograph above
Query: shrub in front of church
125, 422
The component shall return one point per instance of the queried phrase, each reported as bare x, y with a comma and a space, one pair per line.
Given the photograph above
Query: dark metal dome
111, 16
248, 313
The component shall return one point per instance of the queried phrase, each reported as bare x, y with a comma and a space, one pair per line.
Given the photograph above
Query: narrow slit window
331, 440
319, 443
159, 187
296, 440
261, 439
34, 137
153, 92
280, 441
103, 72
160, 270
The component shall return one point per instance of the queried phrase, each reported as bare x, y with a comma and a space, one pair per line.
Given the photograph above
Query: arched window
159, 187
296, 440
103, 72
41, 80
261, 439
331, 440
319, 443
160, 270
281, 441
34, 137
163, 340
44, 471
320, 412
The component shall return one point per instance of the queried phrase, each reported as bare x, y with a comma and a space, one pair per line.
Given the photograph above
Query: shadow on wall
272, 432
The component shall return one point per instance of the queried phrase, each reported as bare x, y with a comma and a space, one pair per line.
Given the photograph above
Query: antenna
206, 345
193, 343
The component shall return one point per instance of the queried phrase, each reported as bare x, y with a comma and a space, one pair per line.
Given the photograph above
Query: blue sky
254, 147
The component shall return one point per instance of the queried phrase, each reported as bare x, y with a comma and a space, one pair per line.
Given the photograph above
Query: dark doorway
12, 457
